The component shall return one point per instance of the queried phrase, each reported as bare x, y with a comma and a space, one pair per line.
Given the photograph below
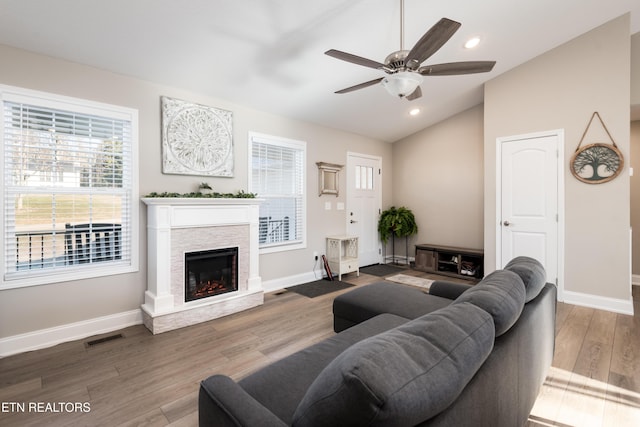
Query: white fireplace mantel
179, 225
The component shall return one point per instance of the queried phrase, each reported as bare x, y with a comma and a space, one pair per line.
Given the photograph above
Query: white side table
342, 254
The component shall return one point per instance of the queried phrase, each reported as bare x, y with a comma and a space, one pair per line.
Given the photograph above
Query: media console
450, 261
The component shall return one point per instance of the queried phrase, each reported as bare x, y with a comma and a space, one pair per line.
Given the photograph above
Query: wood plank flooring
146, 380
595, 376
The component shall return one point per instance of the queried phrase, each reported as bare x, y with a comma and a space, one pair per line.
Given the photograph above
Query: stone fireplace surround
176, 226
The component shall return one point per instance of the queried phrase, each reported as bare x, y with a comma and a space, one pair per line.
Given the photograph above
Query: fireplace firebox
210, 272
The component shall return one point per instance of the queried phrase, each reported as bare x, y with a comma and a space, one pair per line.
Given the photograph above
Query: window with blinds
277, 168
70, 200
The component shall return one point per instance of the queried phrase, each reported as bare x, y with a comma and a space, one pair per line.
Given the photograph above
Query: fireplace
188, 226
209, 273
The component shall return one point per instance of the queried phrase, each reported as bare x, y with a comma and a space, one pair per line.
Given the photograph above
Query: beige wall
560, 90
635, 196
437, 173
635, 154
635, 69
34, 308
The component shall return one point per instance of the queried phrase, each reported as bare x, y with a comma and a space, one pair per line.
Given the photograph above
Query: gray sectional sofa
458, 356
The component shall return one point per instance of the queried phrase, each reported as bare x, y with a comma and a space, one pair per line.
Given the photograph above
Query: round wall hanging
596, 163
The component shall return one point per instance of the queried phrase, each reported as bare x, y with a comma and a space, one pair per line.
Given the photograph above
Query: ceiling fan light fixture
402, 83
472, 42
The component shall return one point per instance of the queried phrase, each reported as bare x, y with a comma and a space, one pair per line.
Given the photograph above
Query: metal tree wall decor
596, 163
196, 139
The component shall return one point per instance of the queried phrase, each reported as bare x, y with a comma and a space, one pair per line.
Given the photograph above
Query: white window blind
69, 192
278, 176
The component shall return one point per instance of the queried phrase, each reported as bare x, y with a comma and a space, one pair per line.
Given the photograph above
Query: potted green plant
204, 188
397, 222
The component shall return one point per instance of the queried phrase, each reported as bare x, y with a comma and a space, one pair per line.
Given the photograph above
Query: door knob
506, 223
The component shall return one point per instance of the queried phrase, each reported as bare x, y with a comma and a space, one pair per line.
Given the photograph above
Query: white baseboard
73, 331
599, 302
285, 282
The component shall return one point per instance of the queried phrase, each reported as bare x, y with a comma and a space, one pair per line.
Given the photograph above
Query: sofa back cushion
501, 294
531, 272
403, 376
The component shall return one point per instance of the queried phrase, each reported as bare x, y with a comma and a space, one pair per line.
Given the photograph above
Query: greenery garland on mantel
213, 195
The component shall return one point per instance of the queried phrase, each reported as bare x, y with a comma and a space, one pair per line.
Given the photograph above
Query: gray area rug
382, 270
319, 287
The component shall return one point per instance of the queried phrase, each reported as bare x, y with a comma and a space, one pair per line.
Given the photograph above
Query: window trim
290, 143
87, 271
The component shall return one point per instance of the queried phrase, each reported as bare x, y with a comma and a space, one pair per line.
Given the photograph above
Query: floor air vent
103, 340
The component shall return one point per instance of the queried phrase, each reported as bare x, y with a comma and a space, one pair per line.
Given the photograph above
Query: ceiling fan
403, 67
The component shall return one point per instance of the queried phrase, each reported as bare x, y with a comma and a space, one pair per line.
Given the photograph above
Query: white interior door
364, 198
529, 194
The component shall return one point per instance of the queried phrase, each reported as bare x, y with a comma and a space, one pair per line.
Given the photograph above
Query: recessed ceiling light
414, 112
472, 42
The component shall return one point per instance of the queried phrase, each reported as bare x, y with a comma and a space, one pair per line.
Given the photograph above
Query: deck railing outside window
84, 243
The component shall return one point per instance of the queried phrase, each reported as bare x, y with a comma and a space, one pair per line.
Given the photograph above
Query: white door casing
529, 201
364, 201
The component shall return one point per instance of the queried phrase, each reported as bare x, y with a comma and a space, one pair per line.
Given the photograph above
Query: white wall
560, 90
32, 309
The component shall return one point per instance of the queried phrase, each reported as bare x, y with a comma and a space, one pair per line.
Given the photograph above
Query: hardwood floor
595, 377
142, 379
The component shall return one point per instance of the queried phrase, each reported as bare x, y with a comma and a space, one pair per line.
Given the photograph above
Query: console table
452, 261
342, 255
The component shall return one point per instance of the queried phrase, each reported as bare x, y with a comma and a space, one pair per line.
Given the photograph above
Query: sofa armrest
222, 402
449, 290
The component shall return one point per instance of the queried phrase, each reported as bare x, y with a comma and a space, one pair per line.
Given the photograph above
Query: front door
364, 198
529, 193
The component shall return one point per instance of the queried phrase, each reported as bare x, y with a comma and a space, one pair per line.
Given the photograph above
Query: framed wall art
328, 178
599, 162
196, 139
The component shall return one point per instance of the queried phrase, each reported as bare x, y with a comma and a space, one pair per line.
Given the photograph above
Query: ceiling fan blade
457, 68
431, 41
354, 59
360, 86
415, 94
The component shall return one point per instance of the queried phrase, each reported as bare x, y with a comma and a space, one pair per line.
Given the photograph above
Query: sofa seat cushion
367, 301
281, 385
403, 376
501, 294
531, 272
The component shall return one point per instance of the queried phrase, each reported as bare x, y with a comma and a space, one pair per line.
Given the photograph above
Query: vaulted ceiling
269, 55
